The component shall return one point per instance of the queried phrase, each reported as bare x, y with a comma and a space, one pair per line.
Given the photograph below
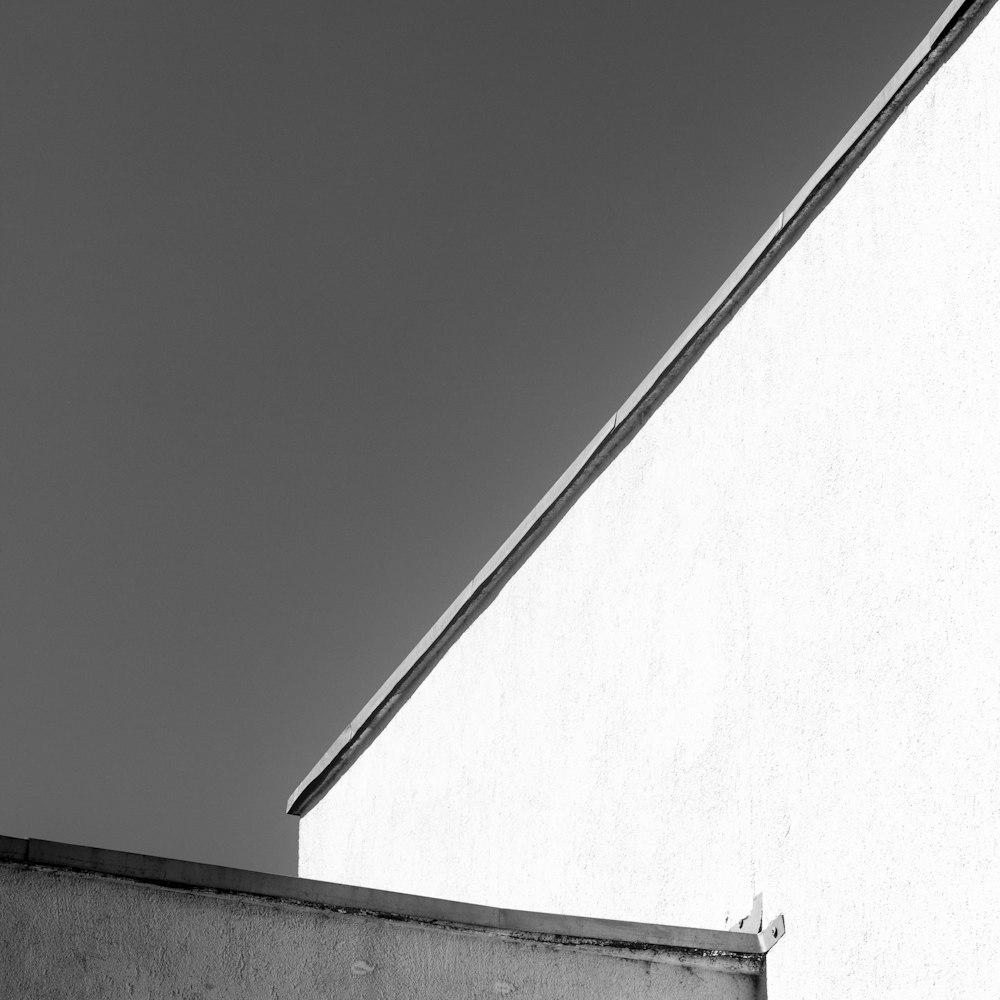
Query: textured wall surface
73, 935
761, 652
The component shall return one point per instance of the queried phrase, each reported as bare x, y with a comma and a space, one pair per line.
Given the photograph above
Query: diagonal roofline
948, 32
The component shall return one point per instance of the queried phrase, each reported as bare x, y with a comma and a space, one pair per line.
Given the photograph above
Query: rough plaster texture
760, 653
67, 934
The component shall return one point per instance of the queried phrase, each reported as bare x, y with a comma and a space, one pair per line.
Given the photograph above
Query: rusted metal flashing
951, 28
545, 927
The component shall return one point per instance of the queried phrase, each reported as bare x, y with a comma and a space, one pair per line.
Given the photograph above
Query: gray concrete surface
93, 933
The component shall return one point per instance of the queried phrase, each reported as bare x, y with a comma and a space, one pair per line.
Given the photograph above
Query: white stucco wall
761, 652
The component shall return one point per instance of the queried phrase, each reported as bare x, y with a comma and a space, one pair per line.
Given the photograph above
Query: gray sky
304, 307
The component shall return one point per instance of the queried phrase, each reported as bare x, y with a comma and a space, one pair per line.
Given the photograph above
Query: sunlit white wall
761, 652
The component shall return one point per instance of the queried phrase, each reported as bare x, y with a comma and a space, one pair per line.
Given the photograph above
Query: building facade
749, 643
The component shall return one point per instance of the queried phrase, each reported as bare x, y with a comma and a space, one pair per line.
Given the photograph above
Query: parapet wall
75, 922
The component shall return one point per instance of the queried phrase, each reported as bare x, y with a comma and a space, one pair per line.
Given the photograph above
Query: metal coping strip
949, 30
392, 905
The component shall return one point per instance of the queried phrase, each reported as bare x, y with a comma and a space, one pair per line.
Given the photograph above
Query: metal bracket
752, 923
772, 933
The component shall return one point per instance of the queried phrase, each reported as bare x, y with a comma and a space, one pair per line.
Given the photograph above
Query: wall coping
549, 927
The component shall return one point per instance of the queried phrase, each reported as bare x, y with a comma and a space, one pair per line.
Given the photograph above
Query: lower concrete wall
69, 934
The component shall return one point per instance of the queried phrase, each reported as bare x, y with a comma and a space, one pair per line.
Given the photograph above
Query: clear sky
304, 307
